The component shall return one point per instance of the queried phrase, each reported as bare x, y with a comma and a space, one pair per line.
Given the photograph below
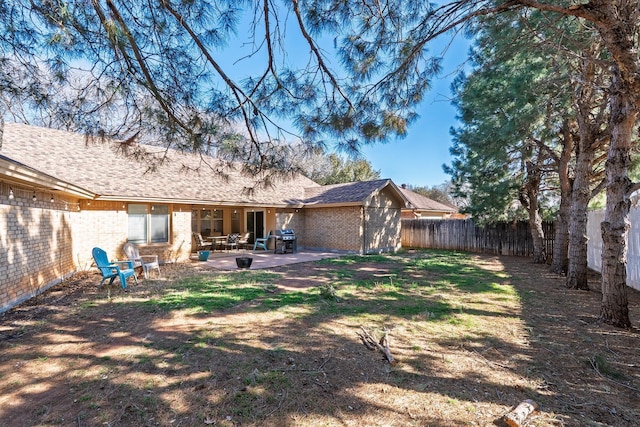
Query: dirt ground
61, 364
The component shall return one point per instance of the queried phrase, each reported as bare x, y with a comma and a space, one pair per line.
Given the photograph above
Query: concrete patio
226, 260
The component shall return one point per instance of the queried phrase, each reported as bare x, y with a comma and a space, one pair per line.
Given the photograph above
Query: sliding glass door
255, 225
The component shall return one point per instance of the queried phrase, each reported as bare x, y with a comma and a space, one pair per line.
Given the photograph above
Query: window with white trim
148, 223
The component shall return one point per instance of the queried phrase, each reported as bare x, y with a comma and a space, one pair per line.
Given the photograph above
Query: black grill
285, 240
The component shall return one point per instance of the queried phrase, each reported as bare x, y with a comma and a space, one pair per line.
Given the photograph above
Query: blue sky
418, 158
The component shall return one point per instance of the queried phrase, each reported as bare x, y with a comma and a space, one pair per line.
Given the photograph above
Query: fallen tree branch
489, 362
366, 342
373, 344
594, 365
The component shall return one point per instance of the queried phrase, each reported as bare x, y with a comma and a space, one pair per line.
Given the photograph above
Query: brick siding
338, 229
293, 219
382, 224
43, 243
36, 249
371, 229
382, 230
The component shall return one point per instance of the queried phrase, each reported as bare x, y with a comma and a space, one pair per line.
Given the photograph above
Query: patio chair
243, 241
147, 262
262, 242
111, 270
232, 241
200, 242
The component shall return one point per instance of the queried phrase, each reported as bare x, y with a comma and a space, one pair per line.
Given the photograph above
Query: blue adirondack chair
111, 270
262, 242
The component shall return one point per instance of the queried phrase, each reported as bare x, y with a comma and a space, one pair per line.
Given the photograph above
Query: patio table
217, 241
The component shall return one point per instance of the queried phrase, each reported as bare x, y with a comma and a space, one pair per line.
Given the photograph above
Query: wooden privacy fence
502, 238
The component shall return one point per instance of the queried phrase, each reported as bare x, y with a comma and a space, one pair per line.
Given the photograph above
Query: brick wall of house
42, 243
102, 224
382, 230
180, 248
371, 229
105, 224
36, 247
330, 228
293, 219
382, 224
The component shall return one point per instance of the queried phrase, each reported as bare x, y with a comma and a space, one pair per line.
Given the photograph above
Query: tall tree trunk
614, 309
529, 199
560, 260
617, 23
589, 101
577, 268
537, 234
577, 272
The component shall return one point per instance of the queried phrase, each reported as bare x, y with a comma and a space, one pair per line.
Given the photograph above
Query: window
208, 222
235, 222
205, 222
217, 221
148, 223
159, 225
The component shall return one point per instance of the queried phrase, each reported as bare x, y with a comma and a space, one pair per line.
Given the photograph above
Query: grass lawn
473, 336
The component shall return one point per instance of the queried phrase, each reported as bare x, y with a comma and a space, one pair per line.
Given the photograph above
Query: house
419, 206
61, 194
362, 217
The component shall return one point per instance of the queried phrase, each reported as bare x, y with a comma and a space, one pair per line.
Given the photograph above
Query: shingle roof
420, 202
96, 167
349, 193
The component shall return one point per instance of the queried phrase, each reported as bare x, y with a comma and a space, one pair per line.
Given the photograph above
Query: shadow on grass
178, 358
568, 344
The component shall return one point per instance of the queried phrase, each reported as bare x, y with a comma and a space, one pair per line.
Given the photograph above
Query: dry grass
474, 336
